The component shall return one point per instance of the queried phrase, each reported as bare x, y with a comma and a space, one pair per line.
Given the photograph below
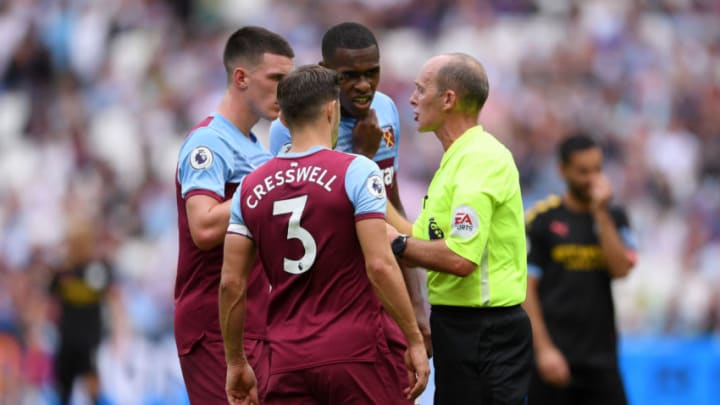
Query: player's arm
365, 189
620, 258
202, 173
415, 279
387, 281
550, 362
207, 219
238, 258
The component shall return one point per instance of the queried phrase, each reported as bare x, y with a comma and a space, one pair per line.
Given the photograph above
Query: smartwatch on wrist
399, 244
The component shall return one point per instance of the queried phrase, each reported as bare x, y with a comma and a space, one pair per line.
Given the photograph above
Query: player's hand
601, 192
241, 385
553, 367
366, 135
424, 325
418, 368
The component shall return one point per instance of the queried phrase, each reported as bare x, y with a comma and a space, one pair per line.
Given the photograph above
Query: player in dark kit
316, 217
214, 157
577, 245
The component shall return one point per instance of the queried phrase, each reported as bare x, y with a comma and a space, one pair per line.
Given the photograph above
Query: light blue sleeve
204, 163
237, 223
279, 137
364, 187
396, 129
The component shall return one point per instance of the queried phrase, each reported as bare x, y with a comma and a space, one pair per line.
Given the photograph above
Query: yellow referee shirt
474, 203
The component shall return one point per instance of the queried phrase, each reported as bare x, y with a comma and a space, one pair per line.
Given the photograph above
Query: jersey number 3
295, 207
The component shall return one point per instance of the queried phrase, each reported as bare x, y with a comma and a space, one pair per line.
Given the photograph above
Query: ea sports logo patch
201, 158
465, 222
375, 186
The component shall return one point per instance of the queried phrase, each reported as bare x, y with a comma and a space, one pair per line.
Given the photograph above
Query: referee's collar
463, 140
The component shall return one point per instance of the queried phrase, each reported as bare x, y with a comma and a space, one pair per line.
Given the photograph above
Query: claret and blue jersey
212, 160
301, 210
387, 156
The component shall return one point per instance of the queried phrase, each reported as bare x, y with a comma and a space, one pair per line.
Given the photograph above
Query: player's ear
240, 78
282, 119
330, 111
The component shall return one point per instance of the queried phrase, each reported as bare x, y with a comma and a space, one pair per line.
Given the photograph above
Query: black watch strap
399, 244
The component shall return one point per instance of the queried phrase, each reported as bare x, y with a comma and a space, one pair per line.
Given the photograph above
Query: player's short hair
574, 143
347, 35
248, 44
302, 93
464, 75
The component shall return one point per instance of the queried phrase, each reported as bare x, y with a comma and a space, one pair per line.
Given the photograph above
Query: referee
470, 235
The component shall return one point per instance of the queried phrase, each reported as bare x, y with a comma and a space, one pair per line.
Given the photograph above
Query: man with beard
577, 245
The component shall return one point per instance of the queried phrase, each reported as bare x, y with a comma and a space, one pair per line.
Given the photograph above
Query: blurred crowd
96, 96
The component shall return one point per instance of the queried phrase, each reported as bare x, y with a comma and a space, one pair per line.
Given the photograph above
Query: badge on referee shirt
465, 222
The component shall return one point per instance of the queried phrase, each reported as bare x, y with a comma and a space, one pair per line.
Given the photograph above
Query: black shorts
587, 387
481, 355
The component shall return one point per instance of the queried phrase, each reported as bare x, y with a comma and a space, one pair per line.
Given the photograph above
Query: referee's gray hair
466, 76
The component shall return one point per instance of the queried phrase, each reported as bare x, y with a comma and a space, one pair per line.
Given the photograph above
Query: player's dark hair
248, 44
302, 93
572, 144
464, 75
347, 35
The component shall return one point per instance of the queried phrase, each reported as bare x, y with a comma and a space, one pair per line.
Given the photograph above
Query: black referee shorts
481, 355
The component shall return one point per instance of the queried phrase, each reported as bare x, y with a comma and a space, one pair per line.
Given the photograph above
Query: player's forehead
346, 59
271, 63
590, 157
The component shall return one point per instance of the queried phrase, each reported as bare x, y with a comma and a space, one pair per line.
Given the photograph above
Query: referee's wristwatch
399, 244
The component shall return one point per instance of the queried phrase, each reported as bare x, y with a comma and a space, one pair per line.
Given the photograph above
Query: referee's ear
449, 100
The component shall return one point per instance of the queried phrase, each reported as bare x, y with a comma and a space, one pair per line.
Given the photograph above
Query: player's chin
272, 114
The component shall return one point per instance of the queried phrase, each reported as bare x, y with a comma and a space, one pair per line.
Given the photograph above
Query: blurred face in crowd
426, 98
262, 82
581, 170
80, 241
359, 71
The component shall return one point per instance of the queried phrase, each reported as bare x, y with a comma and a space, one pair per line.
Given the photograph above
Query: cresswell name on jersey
294, 174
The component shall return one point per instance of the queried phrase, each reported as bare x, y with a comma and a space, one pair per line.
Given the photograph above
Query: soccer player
370, 126
216, 154
316, 217
577, 245
470, 235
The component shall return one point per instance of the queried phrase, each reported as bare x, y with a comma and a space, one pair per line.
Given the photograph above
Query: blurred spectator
84, 282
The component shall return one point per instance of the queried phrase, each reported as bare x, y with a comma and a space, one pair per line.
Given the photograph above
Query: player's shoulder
276, 126
382, 100
358, 160
206, 133
546, 207
384, 106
